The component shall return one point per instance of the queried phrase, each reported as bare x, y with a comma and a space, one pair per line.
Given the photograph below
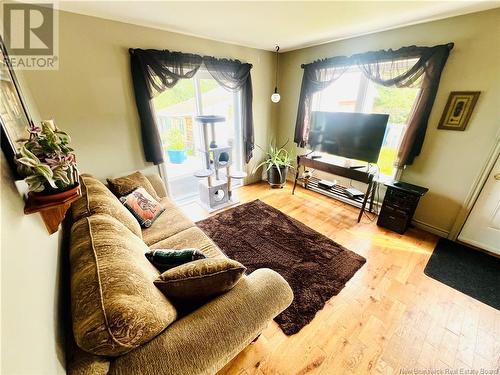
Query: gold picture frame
458, 110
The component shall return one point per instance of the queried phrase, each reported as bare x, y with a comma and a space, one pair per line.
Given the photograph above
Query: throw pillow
125, 185
143, 206
201, 279
165, 259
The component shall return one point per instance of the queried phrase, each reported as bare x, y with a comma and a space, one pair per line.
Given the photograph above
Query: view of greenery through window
398, 103
353, 92
395, 102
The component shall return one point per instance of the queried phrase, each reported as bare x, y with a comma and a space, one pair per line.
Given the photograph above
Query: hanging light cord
277, 67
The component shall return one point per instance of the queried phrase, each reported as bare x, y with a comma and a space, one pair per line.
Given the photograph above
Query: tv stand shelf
338, 191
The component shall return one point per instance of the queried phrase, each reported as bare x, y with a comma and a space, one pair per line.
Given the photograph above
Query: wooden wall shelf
53, 213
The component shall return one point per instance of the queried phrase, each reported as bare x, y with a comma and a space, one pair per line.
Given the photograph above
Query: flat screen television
351, 135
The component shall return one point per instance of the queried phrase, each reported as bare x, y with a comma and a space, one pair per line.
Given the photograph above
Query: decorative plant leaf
65, 138
35, 183
62, 175
28, 162
28, 154
46, 172
48, 124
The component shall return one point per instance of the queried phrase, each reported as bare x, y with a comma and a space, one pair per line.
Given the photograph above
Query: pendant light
275, 97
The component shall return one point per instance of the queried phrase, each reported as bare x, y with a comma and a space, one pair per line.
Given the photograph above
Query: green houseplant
277, 163
47, 162
176, 147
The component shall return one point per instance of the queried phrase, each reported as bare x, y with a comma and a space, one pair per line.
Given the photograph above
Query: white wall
31, 323
450, 160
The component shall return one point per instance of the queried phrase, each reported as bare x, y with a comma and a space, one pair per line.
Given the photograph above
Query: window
353, 92
181, 134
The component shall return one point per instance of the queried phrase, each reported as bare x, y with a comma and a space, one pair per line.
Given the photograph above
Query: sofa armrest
80, 362
207, 339
158, 185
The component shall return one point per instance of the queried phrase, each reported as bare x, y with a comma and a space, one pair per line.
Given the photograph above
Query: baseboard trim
430, 228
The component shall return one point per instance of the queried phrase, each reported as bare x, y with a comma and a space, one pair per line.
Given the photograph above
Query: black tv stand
337, 191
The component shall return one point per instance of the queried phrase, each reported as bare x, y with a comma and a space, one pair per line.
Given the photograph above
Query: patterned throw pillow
165, 259
143, 206
200, 280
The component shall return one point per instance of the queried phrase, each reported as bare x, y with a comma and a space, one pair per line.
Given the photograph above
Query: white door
482, 228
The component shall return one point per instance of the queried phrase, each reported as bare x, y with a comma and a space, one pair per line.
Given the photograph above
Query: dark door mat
467, 270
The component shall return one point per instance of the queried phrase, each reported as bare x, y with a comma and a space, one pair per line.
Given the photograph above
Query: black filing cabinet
400, 203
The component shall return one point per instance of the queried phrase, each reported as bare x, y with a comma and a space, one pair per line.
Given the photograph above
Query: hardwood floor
389, 317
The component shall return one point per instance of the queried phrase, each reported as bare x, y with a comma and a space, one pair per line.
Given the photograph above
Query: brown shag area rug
260, 236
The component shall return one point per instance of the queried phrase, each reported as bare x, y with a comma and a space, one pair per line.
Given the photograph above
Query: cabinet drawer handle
497, 176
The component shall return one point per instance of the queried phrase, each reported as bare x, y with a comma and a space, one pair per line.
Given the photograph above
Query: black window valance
154, 71
409, 66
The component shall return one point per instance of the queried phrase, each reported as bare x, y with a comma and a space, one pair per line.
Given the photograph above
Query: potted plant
176, 147
277, 164
48, 163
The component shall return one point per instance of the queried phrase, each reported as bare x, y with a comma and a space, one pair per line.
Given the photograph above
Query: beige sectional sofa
122, 324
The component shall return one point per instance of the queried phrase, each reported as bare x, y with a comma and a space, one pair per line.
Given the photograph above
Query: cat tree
215, 189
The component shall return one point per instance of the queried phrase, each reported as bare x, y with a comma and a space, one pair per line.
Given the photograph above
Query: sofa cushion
115, 305
201, 279
157, 183
170, 222
191, 237
97, 199
125, 185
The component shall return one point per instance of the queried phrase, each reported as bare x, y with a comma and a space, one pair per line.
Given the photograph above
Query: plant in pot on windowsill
48, 164
176, 147
277, 164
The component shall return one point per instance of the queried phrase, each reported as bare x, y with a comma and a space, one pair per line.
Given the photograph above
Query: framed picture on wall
458, 110
14, 115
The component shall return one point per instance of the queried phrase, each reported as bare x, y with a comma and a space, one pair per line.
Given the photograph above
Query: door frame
477, 187
203, 73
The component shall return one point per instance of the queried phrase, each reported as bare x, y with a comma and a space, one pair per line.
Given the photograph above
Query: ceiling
263, 24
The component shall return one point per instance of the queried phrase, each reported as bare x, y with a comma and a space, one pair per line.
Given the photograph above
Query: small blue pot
176, 157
